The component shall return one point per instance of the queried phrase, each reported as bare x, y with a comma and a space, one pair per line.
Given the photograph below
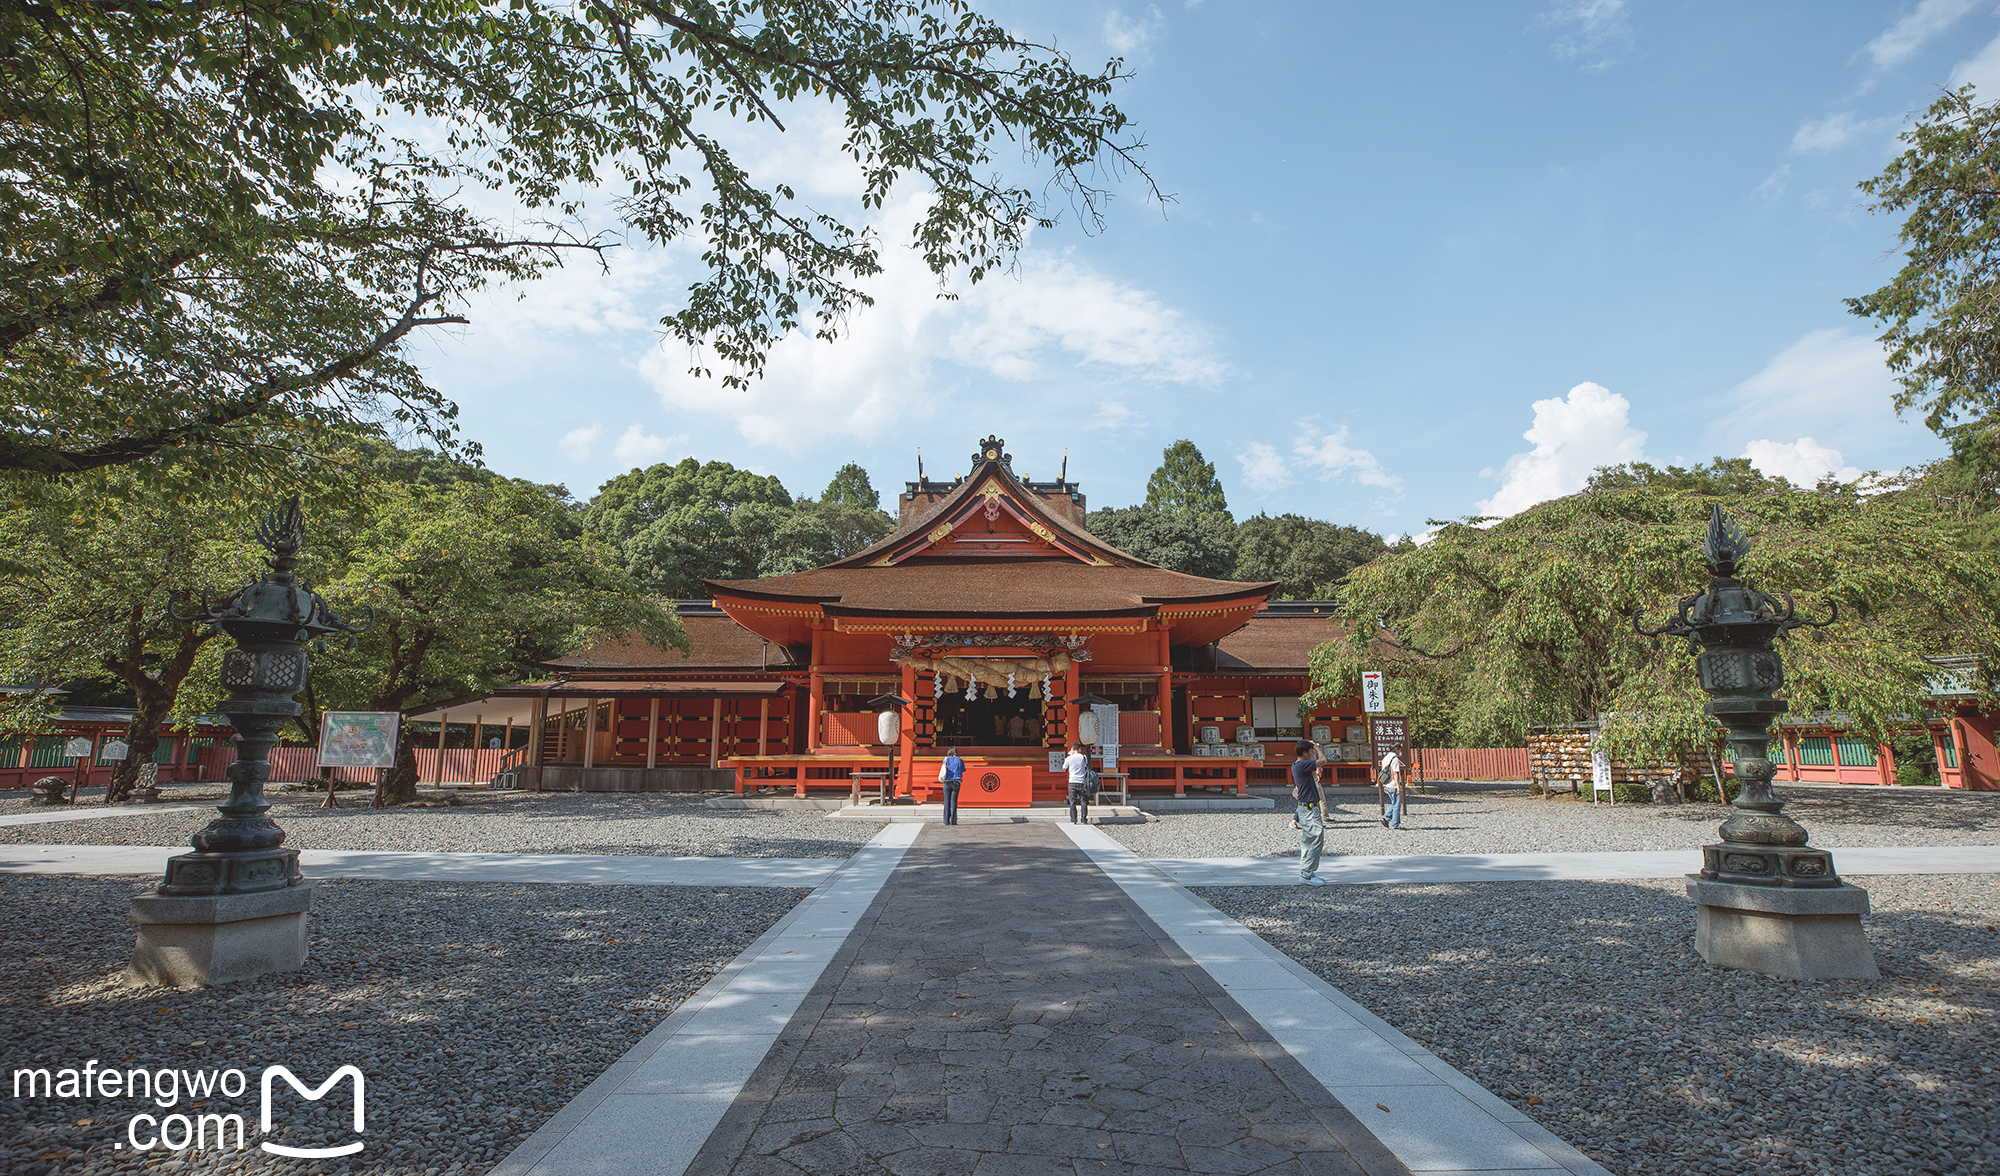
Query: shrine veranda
995, 618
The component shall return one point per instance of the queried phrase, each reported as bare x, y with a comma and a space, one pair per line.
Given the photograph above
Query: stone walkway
606, 869
1545, 867
1004, 1008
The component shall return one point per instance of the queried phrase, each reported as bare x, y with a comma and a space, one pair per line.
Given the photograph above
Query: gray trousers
1079, 803
1312, 839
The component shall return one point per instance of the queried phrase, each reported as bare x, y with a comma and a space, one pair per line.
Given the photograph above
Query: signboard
358, 739
1055, 761
1391, 734
76, 748
1600, 772
1373, 699
114, 750
1107, 734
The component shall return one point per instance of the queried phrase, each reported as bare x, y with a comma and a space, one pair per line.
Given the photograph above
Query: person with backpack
951, 774
1307, 818
1077, 765
1392, 783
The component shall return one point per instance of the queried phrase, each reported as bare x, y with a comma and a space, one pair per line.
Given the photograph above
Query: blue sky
1423, 261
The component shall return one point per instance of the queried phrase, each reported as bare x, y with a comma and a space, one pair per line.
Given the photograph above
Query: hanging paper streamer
971, 689
937, 685
1010, 684
1047, 691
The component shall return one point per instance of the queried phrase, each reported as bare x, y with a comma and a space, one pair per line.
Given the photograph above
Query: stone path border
70, 813
1436, 1120
450, 867
1541, 867
655, 1107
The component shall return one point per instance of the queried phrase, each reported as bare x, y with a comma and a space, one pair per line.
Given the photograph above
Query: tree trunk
400, 785
155, 696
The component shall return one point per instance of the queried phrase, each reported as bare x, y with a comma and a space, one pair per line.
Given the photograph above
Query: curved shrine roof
992, 548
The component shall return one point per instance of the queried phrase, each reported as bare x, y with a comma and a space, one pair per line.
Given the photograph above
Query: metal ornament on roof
1730, 628
272, 620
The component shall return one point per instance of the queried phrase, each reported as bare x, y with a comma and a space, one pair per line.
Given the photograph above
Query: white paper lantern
888, 727
1086, 726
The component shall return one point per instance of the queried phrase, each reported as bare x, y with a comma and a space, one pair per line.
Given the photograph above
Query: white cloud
1114, 414
577, 443
1591, 427
1830, 381
1982, 70
1836, 131
1802, 462
1128, 37
1052, 319
1335, 457
636, 447
1915, 29
1264, 469
1774, 185
1597, 34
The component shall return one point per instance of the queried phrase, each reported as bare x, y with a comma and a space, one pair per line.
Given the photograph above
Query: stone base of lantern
1800, 934
195, 941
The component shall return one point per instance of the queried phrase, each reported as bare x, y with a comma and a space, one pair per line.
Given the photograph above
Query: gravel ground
474, 1011
1585, 1003
1473, 818
649, 824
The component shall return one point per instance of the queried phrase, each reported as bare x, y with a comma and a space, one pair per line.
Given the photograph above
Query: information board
358, 739
117, 749
1390, 733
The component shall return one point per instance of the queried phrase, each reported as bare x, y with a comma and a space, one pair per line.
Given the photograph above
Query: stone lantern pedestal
1782, 931
198, 940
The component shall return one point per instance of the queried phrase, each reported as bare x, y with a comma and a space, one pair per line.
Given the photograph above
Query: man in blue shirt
1311, 826
951, 774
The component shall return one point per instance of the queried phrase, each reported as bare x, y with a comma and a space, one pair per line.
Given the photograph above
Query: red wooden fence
1473, 763
290, 765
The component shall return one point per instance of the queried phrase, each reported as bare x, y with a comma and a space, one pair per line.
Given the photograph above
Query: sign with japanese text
1374, 699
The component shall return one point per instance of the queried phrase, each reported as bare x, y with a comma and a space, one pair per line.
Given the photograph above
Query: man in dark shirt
1310, 824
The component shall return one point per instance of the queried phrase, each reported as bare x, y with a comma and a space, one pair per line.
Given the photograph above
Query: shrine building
991, 621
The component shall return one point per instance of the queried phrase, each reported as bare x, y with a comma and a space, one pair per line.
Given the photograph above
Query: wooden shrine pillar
507, 740
763, 726
590, 732
653, 735
906, 741
1072, 690
816, 699
478, 731
444, 721
538, 723
715, 737
1165, 697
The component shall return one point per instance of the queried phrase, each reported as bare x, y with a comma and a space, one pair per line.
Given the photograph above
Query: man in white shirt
1077, 765
1392, 783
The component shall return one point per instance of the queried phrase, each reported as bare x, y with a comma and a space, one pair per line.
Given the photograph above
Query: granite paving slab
1003, 1007
608, 869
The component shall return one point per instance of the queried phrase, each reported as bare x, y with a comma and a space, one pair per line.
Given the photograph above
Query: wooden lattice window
1855, 752
1816, 751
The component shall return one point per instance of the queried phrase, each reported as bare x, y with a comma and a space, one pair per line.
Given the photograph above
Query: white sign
76, 748
114, 750
1373, 699
1107, 734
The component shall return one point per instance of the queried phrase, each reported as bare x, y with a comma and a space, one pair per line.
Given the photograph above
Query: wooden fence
1473, 763
291, 765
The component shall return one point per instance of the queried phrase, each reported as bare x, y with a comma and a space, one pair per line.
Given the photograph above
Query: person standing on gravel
1392, 783
1077, 765
951, 774
1306, 813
